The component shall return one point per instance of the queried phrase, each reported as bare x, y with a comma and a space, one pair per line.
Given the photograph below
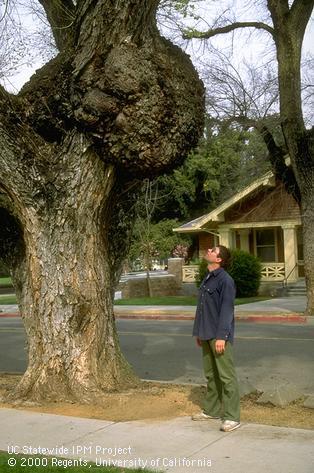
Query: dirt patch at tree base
161, 401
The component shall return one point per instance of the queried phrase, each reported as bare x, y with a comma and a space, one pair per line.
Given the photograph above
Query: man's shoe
203, 416
229, 425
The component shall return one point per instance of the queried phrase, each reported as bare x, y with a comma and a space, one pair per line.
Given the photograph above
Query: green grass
179, 300
166, 300
169, 300
40, 464
8, 299
5, 282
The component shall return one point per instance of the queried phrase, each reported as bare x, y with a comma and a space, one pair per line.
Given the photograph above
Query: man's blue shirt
214, 317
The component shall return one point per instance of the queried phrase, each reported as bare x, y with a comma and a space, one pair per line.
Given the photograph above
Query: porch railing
270, 272
189, 273
273, 271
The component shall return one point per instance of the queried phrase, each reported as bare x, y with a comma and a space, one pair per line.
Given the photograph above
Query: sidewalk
279, 310
177, 445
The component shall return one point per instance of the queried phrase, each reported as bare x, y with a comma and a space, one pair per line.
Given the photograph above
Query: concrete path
279, 310
178, 445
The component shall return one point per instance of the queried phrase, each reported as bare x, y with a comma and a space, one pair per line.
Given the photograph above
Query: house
262, 219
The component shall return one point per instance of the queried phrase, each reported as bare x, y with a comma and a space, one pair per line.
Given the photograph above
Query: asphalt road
266, 354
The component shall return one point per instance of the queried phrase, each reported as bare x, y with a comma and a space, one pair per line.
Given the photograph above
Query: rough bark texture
119, 102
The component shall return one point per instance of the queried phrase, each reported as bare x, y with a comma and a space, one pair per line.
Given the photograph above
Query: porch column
244, 239
290, 251
225, 237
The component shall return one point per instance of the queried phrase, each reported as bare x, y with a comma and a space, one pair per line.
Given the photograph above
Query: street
266, 354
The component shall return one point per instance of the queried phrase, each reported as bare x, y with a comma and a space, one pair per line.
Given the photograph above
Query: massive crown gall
141, 104
145, 107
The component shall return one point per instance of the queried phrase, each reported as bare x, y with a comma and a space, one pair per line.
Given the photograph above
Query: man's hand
220, 346
198, 342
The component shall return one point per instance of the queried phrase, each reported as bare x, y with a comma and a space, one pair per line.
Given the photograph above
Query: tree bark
118, 103
66, 283
308, 232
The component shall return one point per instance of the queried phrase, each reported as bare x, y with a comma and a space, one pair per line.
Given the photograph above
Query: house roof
217, 215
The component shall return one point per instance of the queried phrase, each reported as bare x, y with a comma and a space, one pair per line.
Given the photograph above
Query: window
266, 245
300, 243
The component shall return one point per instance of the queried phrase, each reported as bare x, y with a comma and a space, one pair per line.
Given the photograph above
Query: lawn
29, 464
179, 300
5, 282
166, 300
8, 299
169, 300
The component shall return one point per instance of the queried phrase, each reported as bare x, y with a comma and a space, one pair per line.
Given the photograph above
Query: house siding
206, 240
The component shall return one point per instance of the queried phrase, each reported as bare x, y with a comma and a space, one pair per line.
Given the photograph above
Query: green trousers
222, 397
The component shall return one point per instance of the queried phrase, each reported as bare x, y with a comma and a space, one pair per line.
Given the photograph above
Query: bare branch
6, 7
191, 33
240, 92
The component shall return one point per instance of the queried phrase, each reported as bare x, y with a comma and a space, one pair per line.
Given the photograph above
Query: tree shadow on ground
197, 394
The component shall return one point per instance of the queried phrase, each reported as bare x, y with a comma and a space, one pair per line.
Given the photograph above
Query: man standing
214, 332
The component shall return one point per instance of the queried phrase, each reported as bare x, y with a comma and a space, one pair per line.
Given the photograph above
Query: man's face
212, 256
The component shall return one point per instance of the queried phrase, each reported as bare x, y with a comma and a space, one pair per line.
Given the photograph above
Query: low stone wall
272, 289
166, 285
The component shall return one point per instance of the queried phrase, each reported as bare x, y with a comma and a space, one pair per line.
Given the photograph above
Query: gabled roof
217, 215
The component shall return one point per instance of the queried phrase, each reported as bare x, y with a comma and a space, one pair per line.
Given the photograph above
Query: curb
273, 318
256, 318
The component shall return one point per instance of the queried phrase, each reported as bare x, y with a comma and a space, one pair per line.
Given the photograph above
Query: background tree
152, 240
285, 23
162, 240
228, 157
145, 245
117, 102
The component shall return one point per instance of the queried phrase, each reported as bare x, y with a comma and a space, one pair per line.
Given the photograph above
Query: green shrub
202, 271
4, 271
245, 269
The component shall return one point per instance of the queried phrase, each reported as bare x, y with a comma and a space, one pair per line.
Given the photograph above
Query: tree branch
191, 33
300, 14
61, 15
277, 156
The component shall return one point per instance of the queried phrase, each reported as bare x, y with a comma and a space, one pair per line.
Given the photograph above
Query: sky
244, 48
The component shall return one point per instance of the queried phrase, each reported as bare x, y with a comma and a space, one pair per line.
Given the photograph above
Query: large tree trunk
67, 279
118, 103
289, 28
308, 232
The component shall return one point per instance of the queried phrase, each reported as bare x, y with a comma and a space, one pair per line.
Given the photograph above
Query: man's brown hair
225, 255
